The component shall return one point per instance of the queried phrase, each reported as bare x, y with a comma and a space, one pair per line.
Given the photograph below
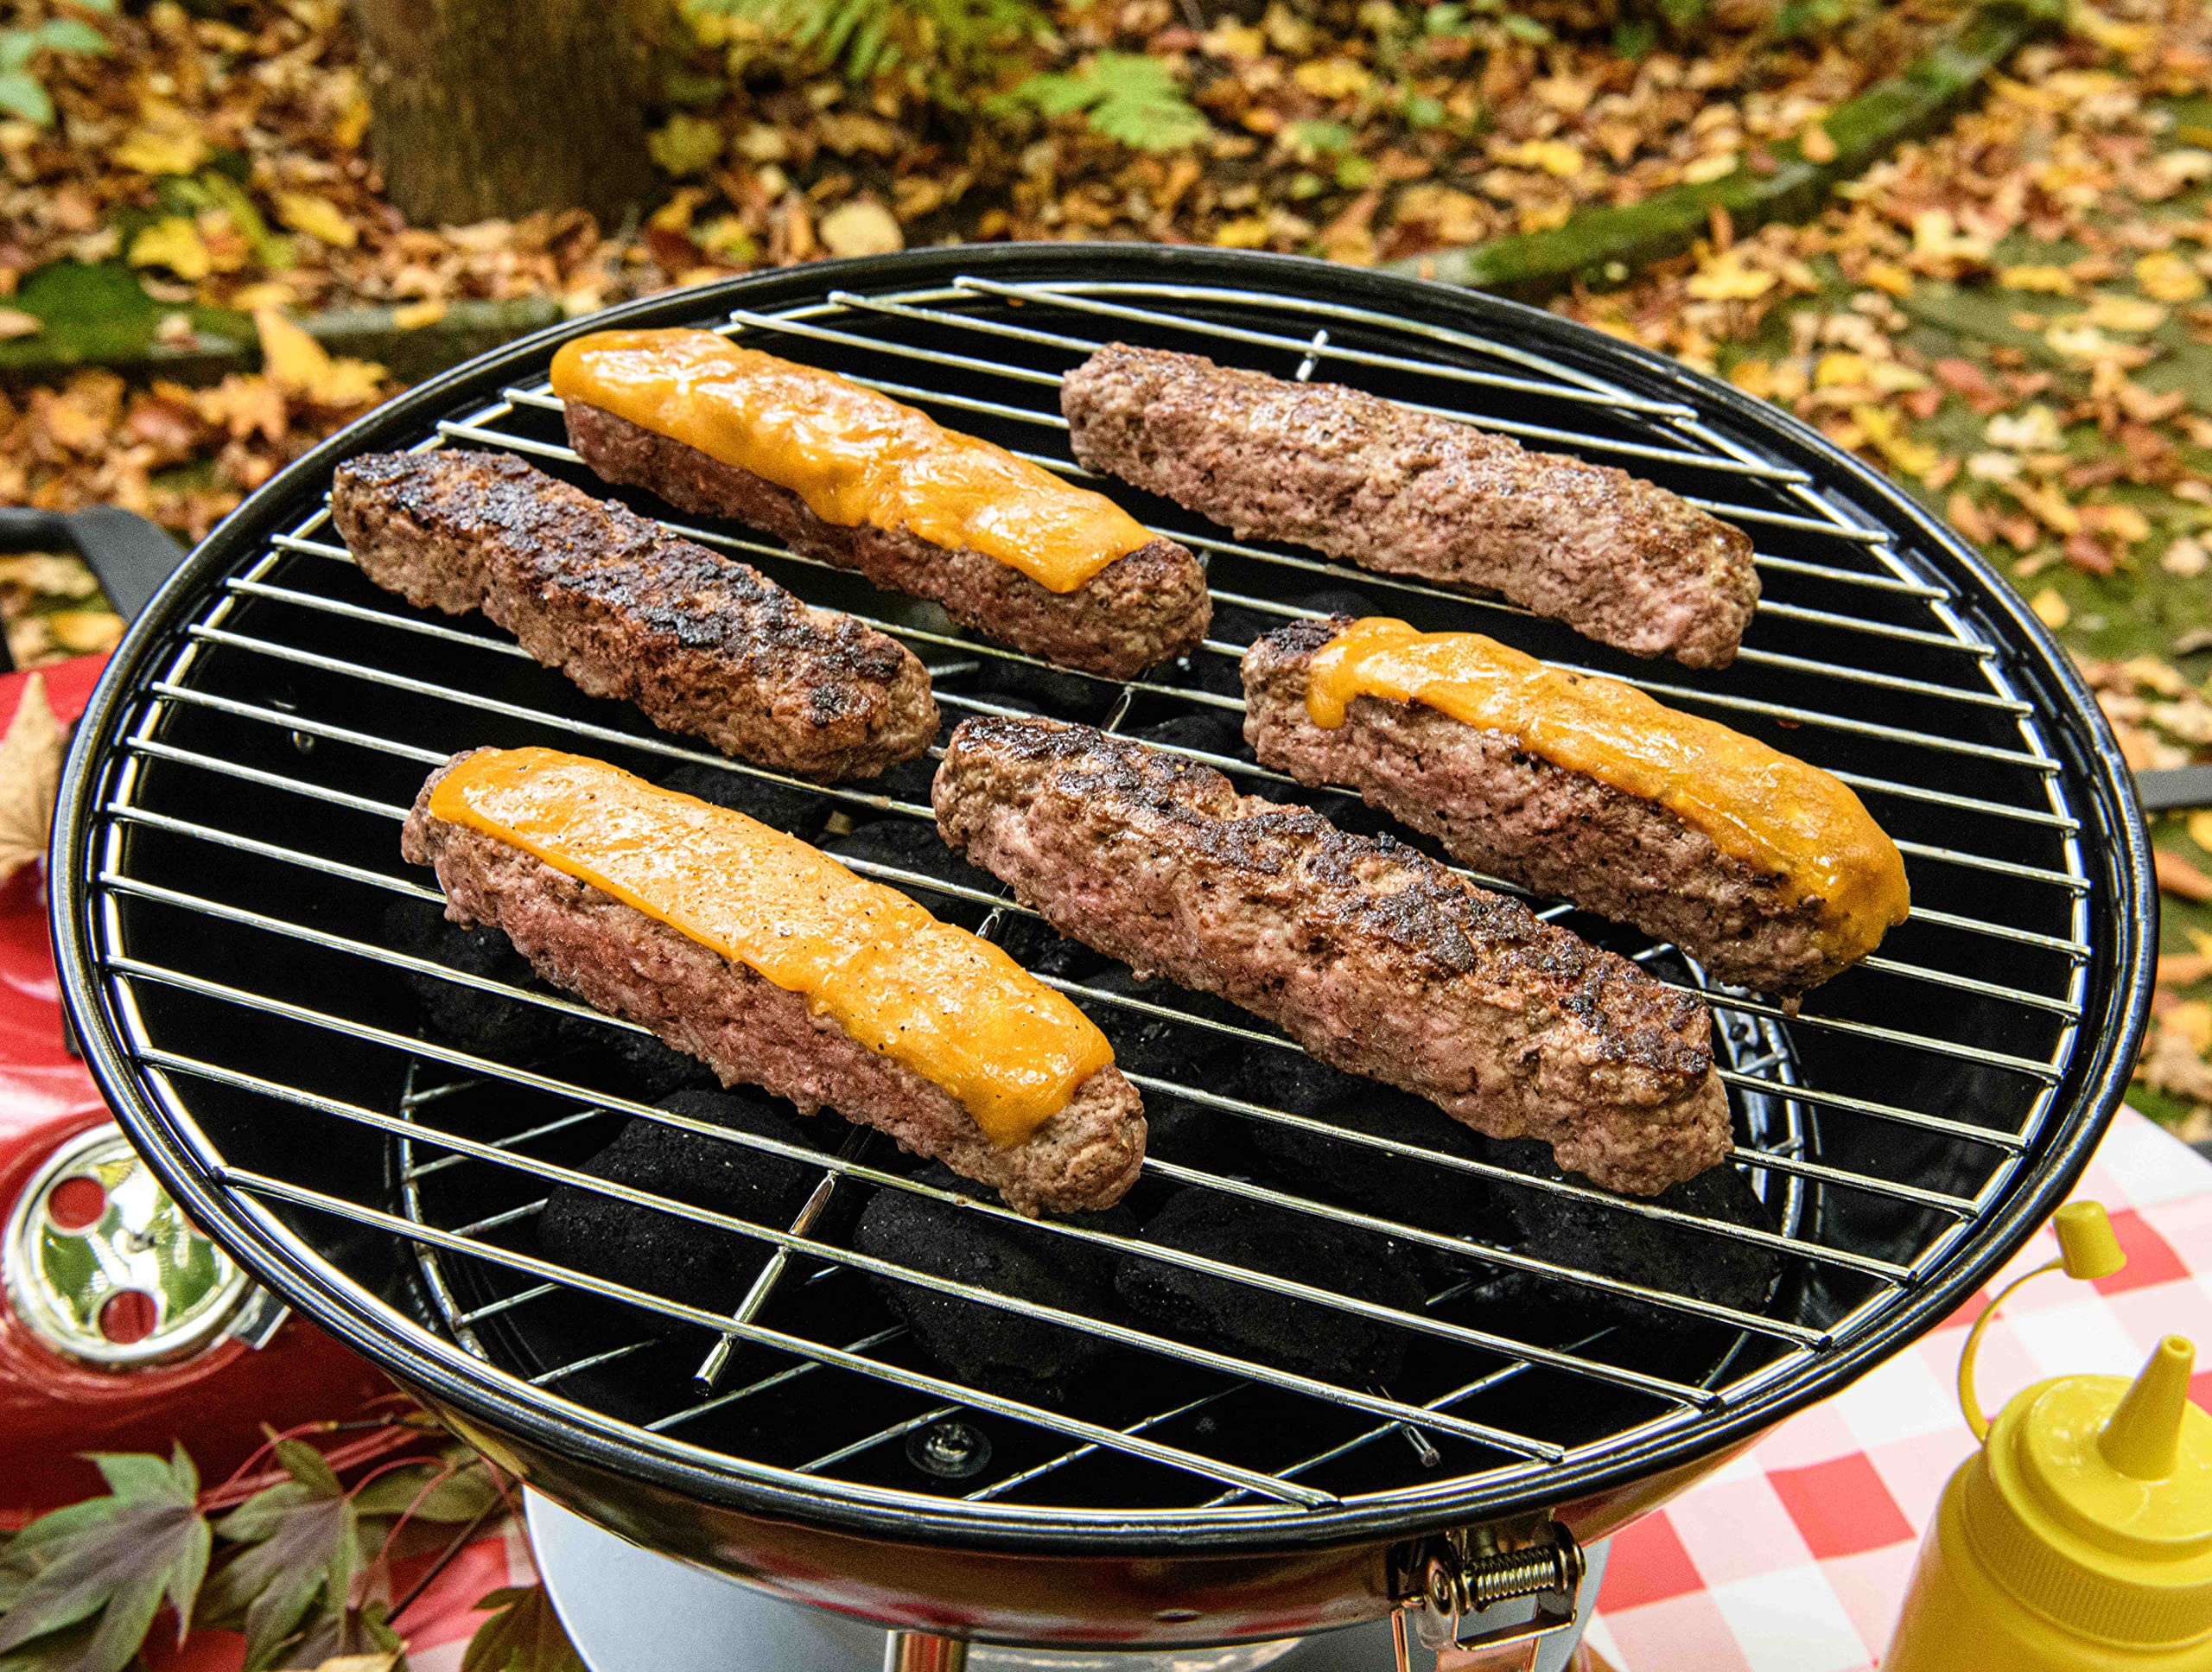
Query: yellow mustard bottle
2079, 1537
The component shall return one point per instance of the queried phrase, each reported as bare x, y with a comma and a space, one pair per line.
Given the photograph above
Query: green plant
301, 1567
942, 44
22, 93
1125, 96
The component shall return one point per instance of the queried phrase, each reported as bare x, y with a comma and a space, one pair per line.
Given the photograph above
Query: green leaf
306, 1464
302, 1543
524, 1636
355, 1631
1320, 138
68, 35
1634, 37
1526, 28
454, 1494
103, 1568
1421, 111
21, 96
685, 144
1125, 96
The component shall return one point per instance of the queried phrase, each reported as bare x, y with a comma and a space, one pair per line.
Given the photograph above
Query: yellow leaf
1246, 233
81, 632
1333, 78
1901, 451
1839, 370
1545, 217
413, 315
2200, 832
2112, 313
2128, 524
675, 215
14, 323
174, 243
2192, 1019
2051, 281
2049, 508
318, 217
2050, 609
30, 774
1889, 277
1817, 144
301, 366
1725, 278
1706, 169
861, 227
1234, 40
1753, 377
353, 122
2168, 277
1554, 156
166, 147
2122, 38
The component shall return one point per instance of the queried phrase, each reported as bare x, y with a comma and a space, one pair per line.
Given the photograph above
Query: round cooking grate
249, 964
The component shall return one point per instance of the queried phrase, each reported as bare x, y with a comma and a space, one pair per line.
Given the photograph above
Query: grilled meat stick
842, 473
699, 642
776, 967
1373, 957
1768, 871
1404, 493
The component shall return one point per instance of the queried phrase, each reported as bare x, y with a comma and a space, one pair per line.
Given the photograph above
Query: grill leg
920, 1651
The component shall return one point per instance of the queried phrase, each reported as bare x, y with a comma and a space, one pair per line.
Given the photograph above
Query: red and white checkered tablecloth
1794, 1558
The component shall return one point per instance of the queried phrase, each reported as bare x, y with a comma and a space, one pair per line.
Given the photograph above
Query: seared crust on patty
750, 1030
1371, 955
1405, 492
1139, 609
1514, 815
702, 643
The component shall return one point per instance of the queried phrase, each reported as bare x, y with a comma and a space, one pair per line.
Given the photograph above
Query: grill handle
131, 556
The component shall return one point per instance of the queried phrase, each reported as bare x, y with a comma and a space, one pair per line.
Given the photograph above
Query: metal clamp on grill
1465, 1574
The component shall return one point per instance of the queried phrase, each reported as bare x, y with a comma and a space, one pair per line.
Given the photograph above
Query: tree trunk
487, 108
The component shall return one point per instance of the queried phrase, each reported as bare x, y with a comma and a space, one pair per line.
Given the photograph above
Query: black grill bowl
231, 925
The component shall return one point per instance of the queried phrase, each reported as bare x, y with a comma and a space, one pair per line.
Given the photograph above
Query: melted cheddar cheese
955, 1009
856, 457
1784, 818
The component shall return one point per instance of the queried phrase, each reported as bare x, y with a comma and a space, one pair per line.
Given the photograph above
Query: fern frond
1125, 96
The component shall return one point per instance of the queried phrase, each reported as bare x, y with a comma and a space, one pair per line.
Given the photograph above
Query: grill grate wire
481, 1275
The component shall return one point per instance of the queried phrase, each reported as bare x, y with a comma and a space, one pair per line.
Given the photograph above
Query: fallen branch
100, 316
1604, 247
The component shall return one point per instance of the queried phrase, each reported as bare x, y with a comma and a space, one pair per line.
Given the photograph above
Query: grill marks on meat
750, 1030
1403, 493
699, 642
1374, 958
1139, 609
1517, 816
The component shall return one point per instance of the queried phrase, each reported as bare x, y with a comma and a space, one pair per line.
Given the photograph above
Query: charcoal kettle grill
226, 858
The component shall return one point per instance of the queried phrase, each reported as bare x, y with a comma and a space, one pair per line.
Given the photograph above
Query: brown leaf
30, 775
2179, 877
2183, 968
2089, 554
1967, 516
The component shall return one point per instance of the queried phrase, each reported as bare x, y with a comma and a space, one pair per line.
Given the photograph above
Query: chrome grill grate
240, 843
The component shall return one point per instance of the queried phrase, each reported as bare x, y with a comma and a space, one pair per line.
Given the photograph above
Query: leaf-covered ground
2010, 316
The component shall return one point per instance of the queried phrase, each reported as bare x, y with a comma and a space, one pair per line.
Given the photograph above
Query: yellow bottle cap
2095, 1508
2087, 1246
